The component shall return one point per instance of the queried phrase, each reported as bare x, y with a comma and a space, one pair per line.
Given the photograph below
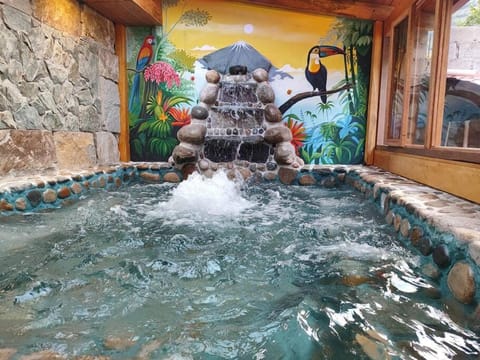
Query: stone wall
464, 49
59, 101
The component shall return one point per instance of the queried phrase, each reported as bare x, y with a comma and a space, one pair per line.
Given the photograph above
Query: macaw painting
318, 66
159, 98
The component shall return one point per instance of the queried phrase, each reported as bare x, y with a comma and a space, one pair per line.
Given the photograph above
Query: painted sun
248, 28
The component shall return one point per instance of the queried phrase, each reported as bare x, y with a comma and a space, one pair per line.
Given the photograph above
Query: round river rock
441, 256
182, 155
199, 112
193, 134
212, 76
277, 134
260, 75
208, 95
265, 93
461, 282
272, 113
284, 153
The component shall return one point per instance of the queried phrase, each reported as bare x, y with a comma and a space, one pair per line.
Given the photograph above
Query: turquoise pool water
207, 270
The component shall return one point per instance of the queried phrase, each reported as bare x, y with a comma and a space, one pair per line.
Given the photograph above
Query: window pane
461, 118
424, 21
398, 79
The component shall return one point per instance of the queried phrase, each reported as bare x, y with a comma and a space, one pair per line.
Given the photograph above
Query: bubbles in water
118, 210
220, 270
202, 197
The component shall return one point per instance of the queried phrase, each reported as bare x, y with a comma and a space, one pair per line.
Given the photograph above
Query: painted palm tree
191, 17
356, 36
325, 108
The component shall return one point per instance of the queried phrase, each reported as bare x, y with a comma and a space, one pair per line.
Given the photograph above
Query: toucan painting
315, 71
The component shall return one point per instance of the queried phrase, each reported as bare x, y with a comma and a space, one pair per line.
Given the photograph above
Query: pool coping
442, 228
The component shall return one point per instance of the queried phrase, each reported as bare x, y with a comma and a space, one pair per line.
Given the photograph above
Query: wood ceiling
362, 9
129, 12
149, 12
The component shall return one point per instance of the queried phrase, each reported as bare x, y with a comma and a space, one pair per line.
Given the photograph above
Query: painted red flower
298, 133
182, 116
162, 72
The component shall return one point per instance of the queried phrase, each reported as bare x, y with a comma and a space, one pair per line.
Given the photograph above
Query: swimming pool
208, 270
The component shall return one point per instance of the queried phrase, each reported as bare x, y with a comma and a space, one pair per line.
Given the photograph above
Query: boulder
193, 134
212, 76
272, 113
182, 155
284, 153
278, 134
260, 75
265, 93
209, 93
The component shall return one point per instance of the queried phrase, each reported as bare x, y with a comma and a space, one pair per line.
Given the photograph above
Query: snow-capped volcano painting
318, 67
239, 53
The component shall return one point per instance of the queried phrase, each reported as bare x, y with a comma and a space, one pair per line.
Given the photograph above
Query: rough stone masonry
59, 100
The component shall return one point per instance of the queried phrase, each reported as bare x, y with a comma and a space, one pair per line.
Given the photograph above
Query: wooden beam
121, 51
400, 10
441, 48
368, 10
129, 12
374, 93
441, 152
404, 137
392, 73
153, 7
455, 177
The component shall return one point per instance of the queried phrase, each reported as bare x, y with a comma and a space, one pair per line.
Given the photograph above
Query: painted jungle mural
318, 66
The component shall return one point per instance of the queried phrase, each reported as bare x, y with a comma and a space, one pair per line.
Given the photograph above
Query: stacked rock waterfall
276, 133
189, 152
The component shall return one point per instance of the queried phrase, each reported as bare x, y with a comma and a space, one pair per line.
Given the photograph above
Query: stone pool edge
442, 228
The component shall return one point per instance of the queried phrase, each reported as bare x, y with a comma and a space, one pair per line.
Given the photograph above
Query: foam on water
203, 197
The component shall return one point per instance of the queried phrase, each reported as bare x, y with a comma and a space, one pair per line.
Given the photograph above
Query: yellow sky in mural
281, 36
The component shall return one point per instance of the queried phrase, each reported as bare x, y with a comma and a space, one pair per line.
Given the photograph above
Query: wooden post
121, 51
440, 63
374, 93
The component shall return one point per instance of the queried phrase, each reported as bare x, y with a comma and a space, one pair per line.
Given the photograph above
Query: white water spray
202, 197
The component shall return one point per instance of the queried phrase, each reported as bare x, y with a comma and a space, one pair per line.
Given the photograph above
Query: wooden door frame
121, 51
